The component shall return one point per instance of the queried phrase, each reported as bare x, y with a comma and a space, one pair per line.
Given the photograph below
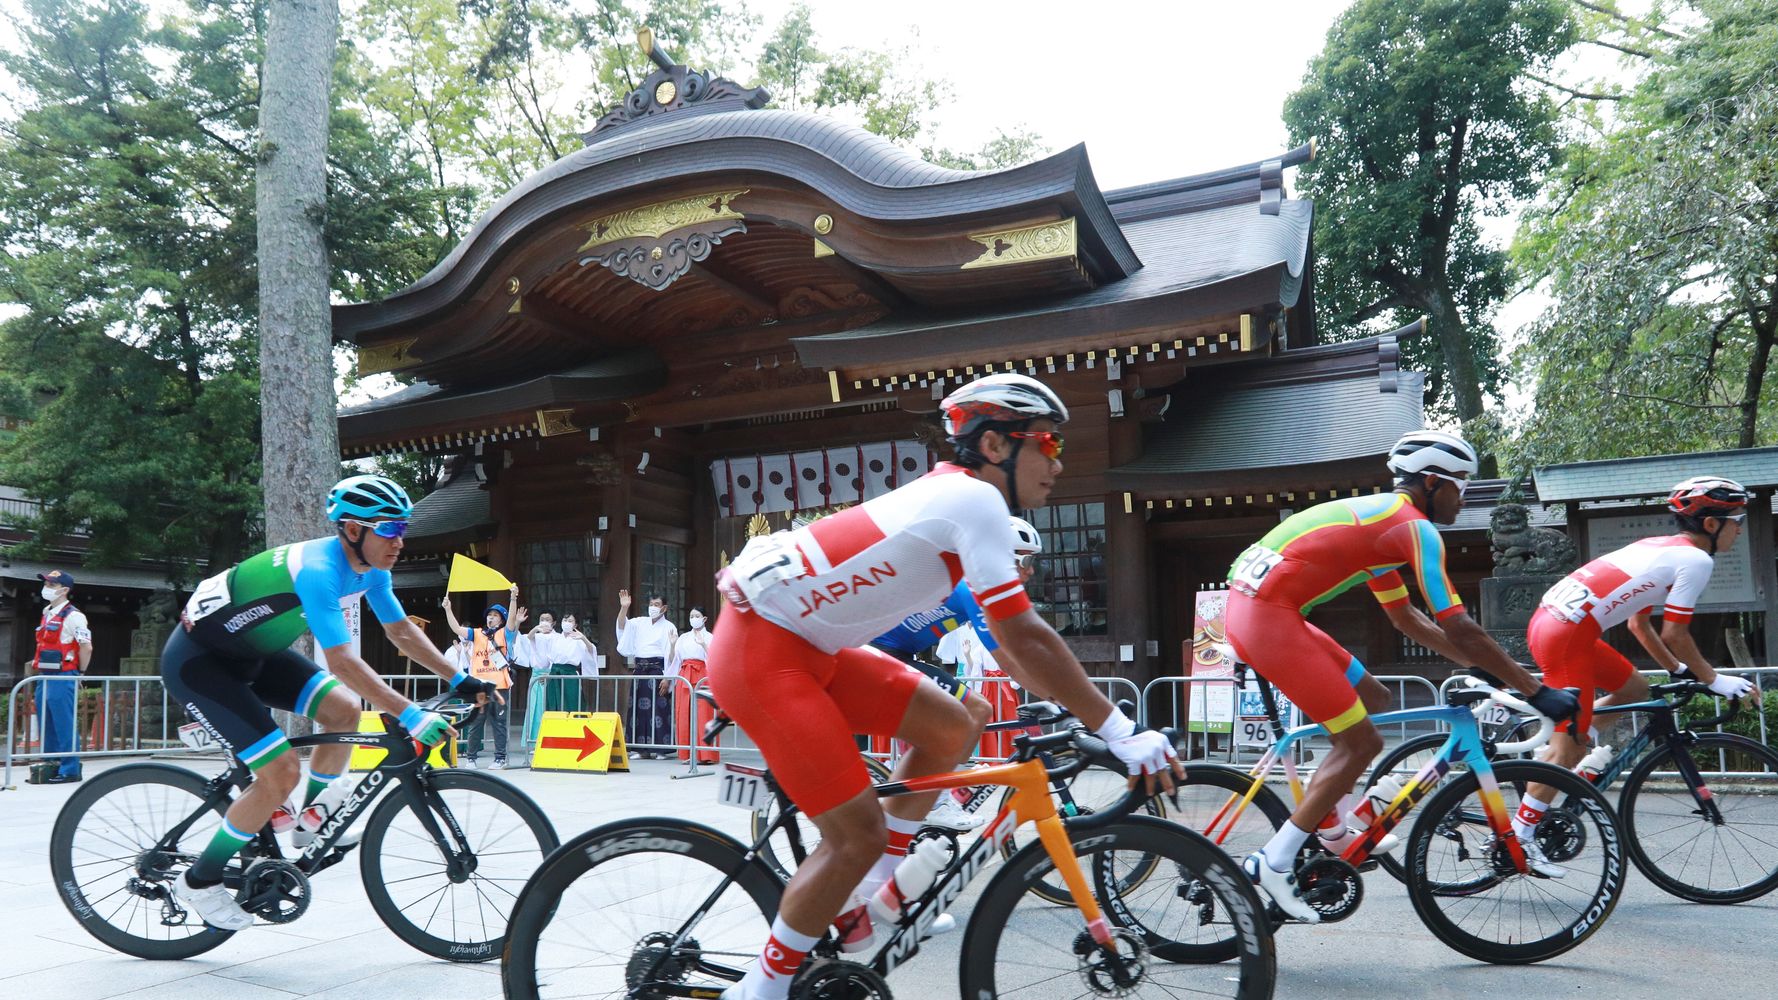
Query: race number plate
1492, 713
195, 736
742, 787
1254, 564
1256, 733
211, 595
1570, 600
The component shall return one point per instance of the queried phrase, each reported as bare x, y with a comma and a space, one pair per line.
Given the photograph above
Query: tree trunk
299, 433
1764, 334
1464, 380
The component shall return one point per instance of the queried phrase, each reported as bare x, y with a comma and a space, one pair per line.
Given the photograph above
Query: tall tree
298, 430
1657, 242
1425, 123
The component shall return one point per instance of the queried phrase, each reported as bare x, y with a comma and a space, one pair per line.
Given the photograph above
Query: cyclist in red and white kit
1668, 574
786, 666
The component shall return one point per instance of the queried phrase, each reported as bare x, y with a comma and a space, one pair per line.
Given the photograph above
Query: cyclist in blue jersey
231, 662
921, 632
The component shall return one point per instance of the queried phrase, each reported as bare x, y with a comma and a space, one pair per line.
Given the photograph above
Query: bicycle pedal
1368, 865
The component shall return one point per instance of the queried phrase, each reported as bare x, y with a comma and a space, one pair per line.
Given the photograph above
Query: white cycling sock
770, 977
901, 834
1280, 851
1531, 809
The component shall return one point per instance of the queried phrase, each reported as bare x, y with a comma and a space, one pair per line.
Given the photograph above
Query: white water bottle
1594, 763
316, 814
1376, 801
911, 879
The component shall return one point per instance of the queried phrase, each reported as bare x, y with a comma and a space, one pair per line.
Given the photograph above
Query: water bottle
1594, 763
1376, 800
315, 816
911, 879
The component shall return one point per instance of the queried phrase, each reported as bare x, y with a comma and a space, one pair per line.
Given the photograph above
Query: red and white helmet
1029, 541
1708, 496
999, 399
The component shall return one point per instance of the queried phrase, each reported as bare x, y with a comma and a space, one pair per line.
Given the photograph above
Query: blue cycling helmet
367, 498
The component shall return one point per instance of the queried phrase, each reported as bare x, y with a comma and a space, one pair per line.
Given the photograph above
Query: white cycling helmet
1433, 451
999, 399
1029, 541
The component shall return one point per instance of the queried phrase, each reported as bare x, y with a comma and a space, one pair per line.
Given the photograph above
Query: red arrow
587, 743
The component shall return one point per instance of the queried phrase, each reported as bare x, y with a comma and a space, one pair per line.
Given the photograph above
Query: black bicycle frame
1661, 726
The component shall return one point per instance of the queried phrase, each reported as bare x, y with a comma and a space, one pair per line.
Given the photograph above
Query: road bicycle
697, 904
442, 857
1699, 810
1469, 882
1086, 791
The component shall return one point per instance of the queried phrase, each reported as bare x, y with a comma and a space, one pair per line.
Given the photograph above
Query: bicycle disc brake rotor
1109, 975
1331, 886
655, 960
275, 891
1562, 834
839, 980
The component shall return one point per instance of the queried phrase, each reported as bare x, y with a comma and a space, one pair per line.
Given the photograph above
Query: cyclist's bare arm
1416, 625
1476, 647
361, 680
1644, 631
412, 641
1039, 659
1677, 637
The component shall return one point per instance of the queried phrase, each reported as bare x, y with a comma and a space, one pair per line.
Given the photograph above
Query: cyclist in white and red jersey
1667, 574
786, 666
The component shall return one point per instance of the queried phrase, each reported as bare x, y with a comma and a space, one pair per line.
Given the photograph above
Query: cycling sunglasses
1048, 442
383, 529
1462, 484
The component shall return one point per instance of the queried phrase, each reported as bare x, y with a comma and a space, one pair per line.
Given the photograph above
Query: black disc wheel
113, 873
1714, 844
601, 917
452, 899
776, 853
1168, 929
1465, 883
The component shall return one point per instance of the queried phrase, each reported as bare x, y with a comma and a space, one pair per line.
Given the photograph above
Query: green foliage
1425, 124
1657, 240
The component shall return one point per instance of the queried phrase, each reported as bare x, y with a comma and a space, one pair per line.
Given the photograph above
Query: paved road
1654, 948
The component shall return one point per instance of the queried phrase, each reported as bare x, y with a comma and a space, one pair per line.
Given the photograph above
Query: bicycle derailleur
274, 891
838, 979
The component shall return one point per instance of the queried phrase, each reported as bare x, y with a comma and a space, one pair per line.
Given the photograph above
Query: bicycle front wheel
452, 900
110, 871
1715, 844
776, 852
1468, 891
1093, 789
1167, 927
601, 917
1210, 804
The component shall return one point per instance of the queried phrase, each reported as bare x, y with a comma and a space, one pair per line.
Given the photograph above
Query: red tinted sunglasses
1048, 442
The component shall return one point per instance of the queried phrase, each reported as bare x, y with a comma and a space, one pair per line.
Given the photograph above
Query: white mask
697, 621
656, 612
52, 594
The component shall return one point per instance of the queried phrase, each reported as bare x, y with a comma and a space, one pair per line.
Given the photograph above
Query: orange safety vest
484, 664
54, 651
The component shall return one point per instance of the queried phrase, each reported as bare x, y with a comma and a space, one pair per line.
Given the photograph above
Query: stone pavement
1654, 948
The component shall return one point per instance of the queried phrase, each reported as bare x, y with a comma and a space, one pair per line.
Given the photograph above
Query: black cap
57, 577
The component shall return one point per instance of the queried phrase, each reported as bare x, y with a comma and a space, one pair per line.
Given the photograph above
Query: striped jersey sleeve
1418, 542
1389, 589
1690, 578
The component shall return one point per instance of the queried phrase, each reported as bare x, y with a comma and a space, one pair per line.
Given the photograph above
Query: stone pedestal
1508, 603
145, 650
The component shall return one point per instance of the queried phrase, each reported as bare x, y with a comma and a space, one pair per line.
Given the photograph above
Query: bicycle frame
1031, 799
1464, 743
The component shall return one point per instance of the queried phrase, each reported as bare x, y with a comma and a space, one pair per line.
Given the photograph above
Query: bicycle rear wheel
1466, 888
1019, 944
776, 852
1208, 802
600, 917
1687, 852
453, 907
108, 870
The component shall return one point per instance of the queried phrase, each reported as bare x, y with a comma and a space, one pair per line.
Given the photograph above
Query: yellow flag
468, 575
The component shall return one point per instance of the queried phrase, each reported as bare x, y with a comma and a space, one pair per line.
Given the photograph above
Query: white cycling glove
1730, 687
1145, 752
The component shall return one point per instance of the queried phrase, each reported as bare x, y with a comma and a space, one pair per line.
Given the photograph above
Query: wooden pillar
620, 549
1130, 589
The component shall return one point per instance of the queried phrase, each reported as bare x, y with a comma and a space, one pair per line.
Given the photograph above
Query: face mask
697, 621
52, 594
656, 612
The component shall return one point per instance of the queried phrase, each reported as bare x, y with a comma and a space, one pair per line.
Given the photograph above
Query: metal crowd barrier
1238, 726
605, 693
130, 715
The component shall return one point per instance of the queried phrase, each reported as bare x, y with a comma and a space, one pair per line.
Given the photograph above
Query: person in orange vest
64, 648
490, 659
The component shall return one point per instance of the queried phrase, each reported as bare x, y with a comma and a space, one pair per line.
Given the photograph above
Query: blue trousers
55, 716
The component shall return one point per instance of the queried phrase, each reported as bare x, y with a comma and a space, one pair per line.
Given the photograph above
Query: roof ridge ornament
674, 87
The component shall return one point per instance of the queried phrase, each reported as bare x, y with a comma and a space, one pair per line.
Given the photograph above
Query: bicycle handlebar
1682, 692
1546, 726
